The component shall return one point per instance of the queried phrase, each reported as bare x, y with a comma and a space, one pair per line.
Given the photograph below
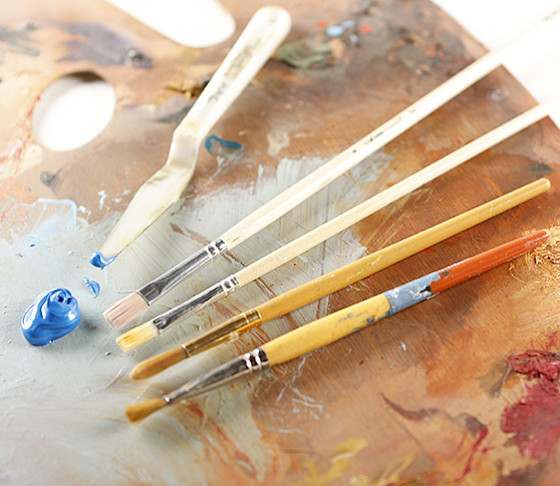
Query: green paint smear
307, 53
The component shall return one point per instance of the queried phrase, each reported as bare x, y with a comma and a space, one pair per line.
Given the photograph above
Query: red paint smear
535, 419
552, 343
366, 29
322, 24
538, 364
193, 407
469, 467
431, 51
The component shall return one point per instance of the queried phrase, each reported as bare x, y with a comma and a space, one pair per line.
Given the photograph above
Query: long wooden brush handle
364, 267
379, 137
402, 188
346, 321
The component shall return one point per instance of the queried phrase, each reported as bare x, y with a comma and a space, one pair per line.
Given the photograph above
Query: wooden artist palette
418, 399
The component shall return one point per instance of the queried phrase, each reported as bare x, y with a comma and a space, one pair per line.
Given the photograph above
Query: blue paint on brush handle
410, 293
52, 315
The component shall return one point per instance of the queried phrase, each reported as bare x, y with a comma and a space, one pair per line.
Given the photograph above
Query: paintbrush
263, 34
135, 303
152, 328
335, 326
324, 285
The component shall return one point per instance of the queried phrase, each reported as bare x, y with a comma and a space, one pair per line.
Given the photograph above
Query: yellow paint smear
393, 471
339, 463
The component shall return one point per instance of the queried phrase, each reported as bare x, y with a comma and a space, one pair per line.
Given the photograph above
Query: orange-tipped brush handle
473, 266
335, 326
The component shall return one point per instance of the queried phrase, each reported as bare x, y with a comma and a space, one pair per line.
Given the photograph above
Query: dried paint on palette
534, 421
18, 41
217, 146
82, 379
99, 44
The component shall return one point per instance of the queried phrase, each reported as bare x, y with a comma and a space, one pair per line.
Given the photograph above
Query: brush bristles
137, 336
140, 411
156, 364
125, 310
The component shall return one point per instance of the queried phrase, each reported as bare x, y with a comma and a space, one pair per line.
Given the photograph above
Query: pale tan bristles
156, 364
125, 310
140, 411
137, 336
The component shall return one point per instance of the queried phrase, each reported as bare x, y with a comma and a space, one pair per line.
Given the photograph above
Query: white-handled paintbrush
150, 329
135, 303
262, 36
338, 325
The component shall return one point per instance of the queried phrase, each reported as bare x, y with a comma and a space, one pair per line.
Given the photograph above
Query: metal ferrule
228, 331
159, 286
197, 302
242, 365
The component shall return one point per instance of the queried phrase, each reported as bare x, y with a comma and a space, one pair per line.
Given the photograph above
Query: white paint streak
102, 196
278, 139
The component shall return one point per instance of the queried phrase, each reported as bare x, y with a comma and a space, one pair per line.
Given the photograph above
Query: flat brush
135, 303
335, 326
268, 27
326, 284
150, 329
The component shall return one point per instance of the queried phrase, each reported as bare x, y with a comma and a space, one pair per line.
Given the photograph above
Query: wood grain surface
420, 398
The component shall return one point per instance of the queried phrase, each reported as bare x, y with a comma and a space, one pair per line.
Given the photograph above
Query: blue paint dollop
52, 314
99, 261
92, 285
226, 143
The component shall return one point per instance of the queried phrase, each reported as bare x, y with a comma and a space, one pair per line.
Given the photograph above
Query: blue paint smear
338, 30
99, 261
410, 293
226, 143
335, 30
92, 285
52, 314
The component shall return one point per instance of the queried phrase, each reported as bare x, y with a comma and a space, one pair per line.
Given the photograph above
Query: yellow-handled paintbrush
331, 328
326, 284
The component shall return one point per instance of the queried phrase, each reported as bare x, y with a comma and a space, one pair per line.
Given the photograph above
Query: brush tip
137, 336
156, 364
125, 310
140, 411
